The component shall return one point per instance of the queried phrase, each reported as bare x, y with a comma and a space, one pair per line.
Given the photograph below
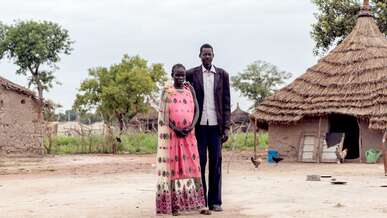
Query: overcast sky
168, 32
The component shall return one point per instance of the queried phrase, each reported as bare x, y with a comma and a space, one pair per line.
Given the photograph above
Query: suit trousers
209, 139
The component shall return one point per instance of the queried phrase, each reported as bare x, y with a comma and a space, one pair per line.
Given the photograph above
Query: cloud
171, 31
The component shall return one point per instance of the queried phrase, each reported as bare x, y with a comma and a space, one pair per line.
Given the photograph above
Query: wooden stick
255, 139
319, 141
360, 142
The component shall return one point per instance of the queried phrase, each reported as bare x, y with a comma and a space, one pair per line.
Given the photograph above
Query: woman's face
179, 76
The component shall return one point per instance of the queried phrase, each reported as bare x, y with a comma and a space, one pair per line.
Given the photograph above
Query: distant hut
98, 128
75, 128
240, 119
145, 122
345, 92
21, 132
71, 128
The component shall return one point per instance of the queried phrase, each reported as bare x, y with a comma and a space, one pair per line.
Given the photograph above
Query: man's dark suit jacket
221, 92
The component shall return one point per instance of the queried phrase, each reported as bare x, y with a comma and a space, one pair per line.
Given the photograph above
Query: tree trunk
39, 86
35, 76
121, 123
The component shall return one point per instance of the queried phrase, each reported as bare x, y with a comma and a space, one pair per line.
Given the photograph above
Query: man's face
206, 55
179, 76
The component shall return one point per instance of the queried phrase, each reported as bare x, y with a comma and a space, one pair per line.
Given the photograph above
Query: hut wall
20, 131
369, 139
286, 139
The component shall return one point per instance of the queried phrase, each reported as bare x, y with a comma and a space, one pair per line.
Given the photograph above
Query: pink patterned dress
179, 185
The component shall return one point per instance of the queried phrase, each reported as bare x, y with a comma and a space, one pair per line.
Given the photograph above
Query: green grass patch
138, 143
142, 143
243, 141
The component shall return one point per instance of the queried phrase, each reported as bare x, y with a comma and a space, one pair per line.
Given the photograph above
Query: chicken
277, 159
256, 161
341, 154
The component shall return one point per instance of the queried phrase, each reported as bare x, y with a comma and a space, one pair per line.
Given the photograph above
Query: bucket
270, 154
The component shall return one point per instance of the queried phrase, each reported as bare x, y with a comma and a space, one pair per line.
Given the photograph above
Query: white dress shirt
209, 111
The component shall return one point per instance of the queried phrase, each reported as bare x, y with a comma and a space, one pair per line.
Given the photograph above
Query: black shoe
216, 208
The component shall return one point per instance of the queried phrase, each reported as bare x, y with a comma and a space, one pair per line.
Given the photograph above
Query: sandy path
123, 186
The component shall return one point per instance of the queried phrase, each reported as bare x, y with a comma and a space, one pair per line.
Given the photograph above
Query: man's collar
212, 69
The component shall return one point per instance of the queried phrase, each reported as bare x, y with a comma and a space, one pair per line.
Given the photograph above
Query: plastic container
372, 155
270, 154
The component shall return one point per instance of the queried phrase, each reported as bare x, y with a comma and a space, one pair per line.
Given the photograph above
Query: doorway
348, 125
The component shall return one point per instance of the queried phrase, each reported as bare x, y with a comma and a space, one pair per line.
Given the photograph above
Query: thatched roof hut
146, 121
350, 82
240, 118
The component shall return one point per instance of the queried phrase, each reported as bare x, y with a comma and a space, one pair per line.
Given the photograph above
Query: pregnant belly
181, 120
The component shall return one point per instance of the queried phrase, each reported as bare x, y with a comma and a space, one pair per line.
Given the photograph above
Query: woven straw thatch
16, 88
238, 116
150, 115
351, 79
145, 121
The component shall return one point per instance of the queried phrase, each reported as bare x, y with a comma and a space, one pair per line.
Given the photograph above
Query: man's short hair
206, 45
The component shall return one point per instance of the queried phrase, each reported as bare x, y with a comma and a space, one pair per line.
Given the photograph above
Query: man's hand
225, 136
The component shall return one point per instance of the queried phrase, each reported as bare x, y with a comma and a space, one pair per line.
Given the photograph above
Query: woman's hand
188, 130
180, 133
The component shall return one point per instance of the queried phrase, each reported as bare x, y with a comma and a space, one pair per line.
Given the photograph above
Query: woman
179, 186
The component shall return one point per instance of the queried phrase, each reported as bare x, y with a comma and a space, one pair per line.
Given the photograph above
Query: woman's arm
163, 116
179, 132
196, 116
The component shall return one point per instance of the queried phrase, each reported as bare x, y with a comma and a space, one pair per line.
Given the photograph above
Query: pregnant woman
179, 186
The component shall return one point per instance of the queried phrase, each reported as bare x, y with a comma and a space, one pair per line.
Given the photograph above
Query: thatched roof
16, 88
351, 79
149, 115
239, 116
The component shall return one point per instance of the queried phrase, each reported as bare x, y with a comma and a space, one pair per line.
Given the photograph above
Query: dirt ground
123, 186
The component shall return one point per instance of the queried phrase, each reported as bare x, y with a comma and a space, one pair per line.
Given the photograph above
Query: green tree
35, 48
90, 118
259, 80
49, 111
71, 115
336, 19
119, 92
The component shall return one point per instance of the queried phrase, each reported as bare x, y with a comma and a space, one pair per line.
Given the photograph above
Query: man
384, 140
212, 89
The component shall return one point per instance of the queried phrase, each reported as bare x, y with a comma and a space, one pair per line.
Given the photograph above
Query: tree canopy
336, 19
259, 80
120, 91
35, 47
